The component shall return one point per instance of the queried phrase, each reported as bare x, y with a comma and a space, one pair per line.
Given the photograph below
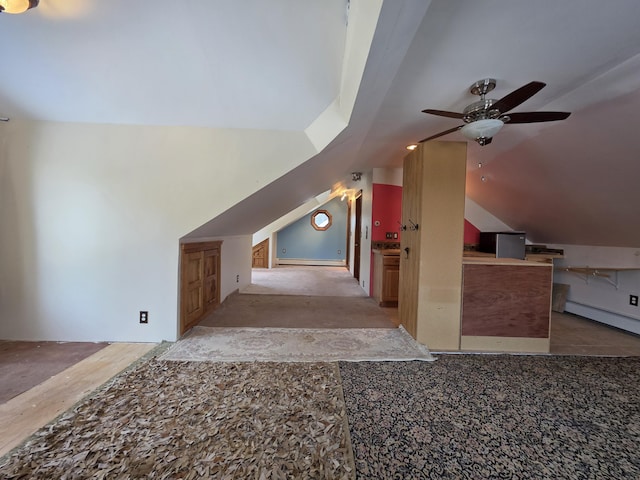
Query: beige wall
91, 217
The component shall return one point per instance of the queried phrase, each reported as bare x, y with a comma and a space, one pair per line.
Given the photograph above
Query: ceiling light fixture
17, 6
482, 130
413, 146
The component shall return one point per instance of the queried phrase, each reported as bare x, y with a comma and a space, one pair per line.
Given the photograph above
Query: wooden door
199, 281
192, 287
211, 265
261, 255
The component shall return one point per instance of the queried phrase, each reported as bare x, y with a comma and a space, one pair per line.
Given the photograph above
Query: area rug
495, 416
169, 420
297, 345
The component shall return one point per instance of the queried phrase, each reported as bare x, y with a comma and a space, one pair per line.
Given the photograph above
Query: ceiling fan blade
441, 134
533, 117
517, 97
442, 113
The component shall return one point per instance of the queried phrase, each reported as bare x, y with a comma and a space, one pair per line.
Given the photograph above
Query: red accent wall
471, 233
386, 209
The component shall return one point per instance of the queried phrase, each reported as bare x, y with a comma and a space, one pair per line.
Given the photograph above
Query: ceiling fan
484, 118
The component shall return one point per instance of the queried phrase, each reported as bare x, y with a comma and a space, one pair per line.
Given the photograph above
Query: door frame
357, 236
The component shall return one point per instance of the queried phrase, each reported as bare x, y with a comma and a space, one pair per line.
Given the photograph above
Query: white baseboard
310, 262
630, 324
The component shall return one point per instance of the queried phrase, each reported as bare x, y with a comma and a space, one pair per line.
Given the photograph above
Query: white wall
366, 184
92, 215
482, 219
388, 176
235, 265
594, 297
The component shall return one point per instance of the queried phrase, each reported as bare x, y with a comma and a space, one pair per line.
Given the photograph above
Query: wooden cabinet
506, 305
199, 281
386, 278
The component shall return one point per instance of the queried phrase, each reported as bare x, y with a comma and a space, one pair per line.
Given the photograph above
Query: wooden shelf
587, 272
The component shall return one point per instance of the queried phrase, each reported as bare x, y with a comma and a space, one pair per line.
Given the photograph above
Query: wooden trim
329, 220
200, 246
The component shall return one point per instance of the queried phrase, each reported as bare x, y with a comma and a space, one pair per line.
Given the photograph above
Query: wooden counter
386, 276
506, 305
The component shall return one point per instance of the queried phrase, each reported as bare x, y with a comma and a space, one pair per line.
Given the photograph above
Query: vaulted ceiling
277, 65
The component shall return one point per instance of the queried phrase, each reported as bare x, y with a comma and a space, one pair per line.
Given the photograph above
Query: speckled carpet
461, 417
495, 416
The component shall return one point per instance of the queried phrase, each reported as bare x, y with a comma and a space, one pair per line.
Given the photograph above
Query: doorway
357, 236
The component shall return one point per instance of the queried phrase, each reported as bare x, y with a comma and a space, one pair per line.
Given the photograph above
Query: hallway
329, 297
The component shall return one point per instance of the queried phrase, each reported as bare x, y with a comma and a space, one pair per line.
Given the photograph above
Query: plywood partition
433, 198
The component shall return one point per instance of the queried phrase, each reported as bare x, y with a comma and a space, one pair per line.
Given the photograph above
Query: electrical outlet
144, 317
633, 300
339, 252
237, 278
284, 250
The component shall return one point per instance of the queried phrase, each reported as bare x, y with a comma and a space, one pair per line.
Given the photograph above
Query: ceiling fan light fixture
17, 6
485, 128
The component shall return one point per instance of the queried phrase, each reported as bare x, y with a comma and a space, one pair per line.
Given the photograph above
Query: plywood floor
23, 365
574, 335
24, 414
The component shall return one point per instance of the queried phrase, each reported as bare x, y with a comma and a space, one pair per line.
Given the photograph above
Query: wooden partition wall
433, 196
199, 281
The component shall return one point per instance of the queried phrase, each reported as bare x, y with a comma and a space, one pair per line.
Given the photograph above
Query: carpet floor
170, 420
298, 311
495, 416
461, 417
304, 280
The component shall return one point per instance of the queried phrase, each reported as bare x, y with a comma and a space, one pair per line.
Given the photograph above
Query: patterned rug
495, 416
170, 420
297, 345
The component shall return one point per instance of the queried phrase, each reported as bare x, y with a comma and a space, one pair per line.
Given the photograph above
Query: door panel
193, 284
199, 281
261, 255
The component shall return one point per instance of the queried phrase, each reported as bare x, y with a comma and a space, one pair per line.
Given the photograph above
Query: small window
321, 220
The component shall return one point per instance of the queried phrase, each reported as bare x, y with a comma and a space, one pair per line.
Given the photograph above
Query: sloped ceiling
276, 65
222, 63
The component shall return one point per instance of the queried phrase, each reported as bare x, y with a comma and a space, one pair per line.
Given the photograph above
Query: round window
321, 220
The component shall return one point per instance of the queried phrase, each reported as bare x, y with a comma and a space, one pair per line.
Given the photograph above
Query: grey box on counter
503, 244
